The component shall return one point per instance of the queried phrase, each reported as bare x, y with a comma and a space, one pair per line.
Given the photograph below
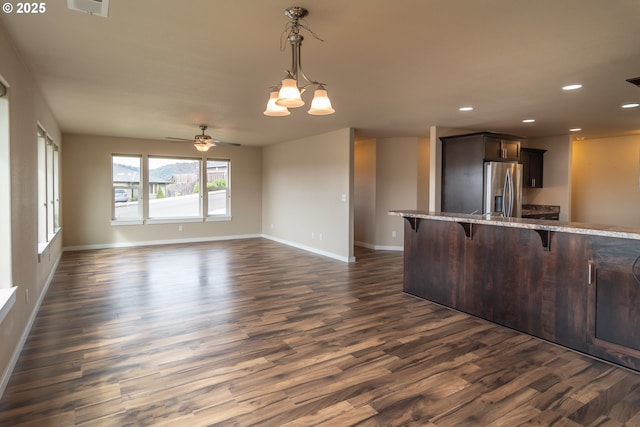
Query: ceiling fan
203, 142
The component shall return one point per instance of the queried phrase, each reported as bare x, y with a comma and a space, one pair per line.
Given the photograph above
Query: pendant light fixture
288, 94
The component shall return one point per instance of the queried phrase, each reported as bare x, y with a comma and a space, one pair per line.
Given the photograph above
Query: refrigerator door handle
508, 194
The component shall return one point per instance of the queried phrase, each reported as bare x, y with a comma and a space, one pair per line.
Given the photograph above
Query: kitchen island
573, 284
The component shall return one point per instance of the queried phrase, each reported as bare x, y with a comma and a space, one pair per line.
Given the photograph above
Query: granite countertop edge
533, 224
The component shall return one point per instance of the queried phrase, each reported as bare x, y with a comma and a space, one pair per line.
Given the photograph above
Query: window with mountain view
174, 188
125, 180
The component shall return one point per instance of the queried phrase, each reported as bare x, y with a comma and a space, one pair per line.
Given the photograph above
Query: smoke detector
92, 7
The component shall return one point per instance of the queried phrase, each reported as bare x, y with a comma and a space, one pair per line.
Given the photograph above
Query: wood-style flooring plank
254, 333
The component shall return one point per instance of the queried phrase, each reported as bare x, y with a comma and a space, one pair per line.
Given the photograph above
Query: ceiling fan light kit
288, 94
203, 142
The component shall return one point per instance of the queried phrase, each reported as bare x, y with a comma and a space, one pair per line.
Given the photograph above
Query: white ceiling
157, 68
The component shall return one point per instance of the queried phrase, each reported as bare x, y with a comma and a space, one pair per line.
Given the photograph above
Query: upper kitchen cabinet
532, 164
501, 148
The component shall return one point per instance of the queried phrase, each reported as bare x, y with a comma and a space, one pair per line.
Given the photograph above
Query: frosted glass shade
289, 95
202, 146
274, 109
321, 104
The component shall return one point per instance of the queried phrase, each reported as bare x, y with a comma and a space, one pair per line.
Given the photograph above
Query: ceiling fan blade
230, 144
178, 139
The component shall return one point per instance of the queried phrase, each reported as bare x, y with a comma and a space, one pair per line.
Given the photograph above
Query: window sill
127, 222
218, 218
173, 220
7, 299
42, 247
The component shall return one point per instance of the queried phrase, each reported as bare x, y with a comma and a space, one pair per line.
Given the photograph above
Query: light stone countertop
533, 224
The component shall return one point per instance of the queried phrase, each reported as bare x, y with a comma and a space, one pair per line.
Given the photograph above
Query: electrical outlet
394, 234
320, 236
180, 228
313, 235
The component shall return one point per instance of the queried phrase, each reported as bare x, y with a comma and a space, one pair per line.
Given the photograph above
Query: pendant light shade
273, 109
289, 95
321, 104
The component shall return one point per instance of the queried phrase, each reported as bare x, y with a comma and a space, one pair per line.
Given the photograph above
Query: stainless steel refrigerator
503, 189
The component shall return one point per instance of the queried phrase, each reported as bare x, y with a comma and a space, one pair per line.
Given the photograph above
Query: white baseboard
160, 242
379, 247
6, 375
310, 249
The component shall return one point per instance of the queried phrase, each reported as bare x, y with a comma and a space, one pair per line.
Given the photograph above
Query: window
218, 188
5, 193
174, 188
125, 183
48, 189
157, 189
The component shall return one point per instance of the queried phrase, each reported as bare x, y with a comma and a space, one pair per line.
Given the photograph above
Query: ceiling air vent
92, 7
635, 81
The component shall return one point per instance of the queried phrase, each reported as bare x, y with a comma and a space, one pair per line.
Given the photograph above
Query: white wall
88, 193
30, 272
396, 188
364, 193
606, 181
307, 193
390, 174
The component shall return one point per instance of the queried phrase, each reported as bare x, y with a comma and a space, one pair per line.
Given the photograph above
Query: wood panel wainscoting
255, 333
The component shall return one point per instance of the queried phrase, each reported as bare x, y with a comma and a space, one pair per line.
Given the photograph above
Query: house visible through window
218, 187
174, 187
160, 189
126, 182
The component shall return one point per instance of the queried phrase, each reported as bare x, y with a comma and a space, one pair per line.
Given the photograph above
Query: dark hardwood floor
254, 333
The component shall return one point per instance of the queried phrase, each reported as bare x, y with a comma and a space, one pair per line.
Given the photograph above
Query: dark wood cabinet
532, 167
462, 174
614, 299
463, 158
501, 148
580, 291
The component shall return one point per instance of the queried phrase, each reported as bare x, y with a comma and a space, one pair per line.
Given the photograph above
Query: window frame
6, 249
172, 219
227, 214
138, 219
144, 199
48, 174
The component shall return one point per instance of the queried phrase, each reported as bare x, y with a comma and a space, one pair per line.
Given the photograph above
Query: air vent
92, 7
635, 81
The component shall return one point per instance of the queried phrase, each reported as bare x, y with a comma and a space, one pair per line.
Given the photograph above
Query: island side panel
504, 275
432, 266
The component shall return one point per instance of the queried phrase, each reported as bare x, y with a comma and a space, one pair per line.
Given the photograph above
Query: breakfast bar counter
573, 284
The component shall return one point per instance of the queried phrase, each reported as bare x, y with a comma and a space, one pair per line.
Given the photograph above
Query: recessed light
465, 108
572, 87
631, 105
528, 120
575, 129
